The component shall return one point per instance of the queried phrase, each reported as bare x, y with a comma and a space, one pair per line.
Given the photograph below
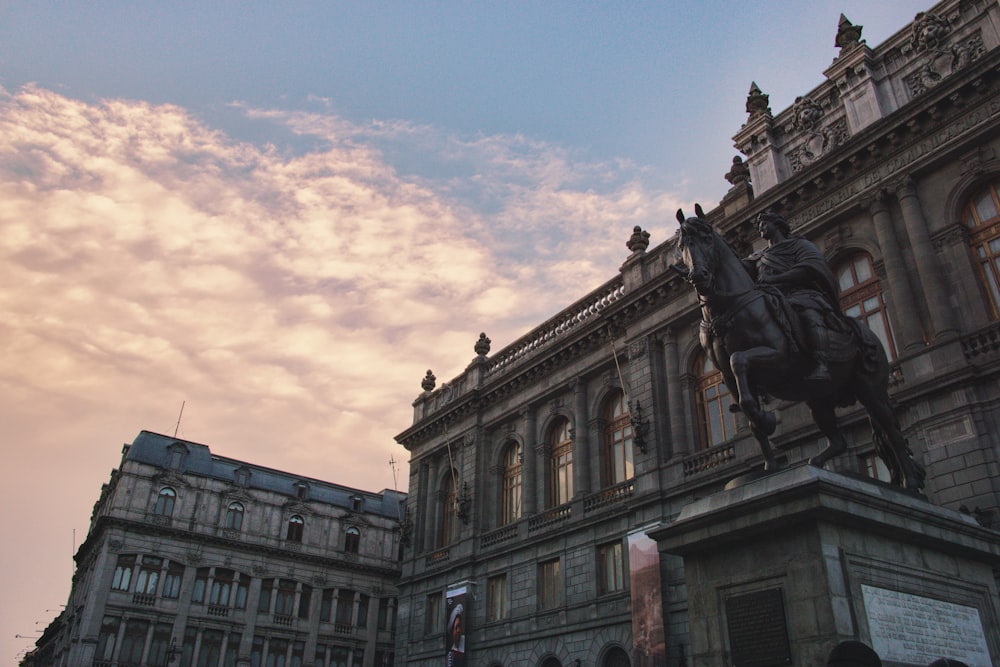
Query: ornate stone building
536, 472
196, 560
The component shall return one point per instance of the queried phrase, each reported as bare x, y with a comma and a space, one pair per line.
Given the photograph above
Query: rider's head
773, 219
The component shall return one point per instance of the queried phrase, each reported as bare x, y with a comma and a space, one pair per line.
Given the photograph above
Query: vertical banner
649, 645
457, 611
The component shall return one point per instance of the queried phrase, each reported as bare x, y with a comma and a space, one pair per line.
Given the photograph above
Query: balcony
709, 459
549, 518
217, 610
439, 556
610, 496
283, 620
144, 599
498, 536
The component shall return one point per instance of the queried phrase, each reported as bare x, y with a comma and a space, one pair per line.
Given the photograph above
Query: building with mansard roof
194, 559
536, 472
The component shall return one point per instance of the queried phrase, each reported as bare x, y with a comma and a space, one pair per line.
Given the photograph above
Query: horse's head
696, 250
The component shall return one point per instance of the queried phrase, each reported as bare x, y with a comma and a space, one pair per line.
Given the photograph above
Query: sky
258, 224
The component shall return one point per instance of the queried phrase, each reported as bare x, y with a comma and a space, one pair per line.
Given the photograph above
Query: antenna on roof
395, 485
177, 428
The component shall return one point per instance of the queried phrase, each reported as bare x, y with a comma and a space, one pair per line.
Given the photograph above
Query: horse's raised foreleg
742, 364
825, 417
762, 422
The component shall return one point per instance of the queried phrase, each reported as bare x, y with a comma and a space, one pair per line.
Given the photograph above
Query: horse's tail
904, 471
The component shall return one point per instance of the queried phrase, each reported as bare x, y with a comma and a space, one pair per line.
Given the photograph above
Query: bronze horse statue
750, 334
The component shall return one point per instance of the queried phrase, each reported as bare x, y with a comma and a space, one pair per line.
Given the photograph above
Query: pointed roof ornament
757, 102
848, 34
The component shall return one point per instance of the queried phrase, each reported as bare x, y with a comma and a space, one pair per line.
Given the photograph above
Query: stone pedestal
781, 569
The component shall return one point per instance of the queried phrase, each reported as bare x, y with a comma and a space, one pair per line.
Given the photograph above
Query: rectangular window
362, 610
242, 590
326, 606
172, 580
160, 644
222, 587
610, 568
200, 584
257, 651
496, 598
284, 604
305, 600
433, 622
264, 601
232, 650
359, 658
187, 646
385, 605
550, 585
108, 638
345, 607
211, 648
133, 642
298, 651
149, 575
123, 573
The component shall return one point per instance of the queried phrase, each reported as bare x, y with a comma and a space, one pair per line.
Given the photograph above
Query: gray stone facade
878, 165
213, 561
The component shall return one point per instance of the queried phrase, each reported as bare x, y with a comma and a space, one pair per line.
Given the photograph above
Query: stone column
529, 491
928, 270
675, 394
906, 319
423, 509
582, 456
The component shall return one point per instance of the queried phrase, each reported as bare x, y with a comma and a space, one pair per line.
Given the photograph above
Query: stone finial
739, 173
639, 240
429, 381
848, 34
482, 346
757, 102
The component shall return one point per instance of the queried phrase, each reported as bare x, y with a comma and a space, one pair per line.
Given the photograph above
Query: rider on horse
796, 267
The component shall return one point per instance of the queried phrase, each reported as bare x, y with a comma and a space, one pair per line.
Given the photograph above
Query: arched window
561, 464
352, 541
510, 502
449, 511
982, 216
618, 463
616, 657
295, 528
713, 398
165, 502
861, 298
234, 516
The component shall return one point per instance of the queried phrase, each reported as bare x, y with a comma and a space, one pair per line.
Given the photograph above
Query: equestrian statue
772, 324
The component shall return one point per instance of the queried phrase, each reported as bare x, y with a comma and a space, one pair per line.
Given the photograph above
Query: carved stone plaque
758, 631
915, 629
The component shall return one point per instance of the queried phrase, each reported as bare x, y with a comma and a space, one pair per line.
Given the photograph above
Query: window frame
511, 484
858, 292
715, 426
560, 463
550, 586
619, 454
611, 572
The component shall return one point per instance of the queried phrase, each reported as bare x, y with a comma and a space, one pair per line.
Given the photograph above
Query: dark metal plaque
758, 631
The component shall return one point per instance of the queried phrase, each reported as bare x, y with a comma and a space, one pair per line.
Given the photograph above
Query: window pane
986, 208
863, 269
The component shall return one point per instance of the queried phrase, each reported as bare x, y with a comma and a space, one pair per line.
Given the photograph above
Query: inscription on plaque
758, 631
918, 630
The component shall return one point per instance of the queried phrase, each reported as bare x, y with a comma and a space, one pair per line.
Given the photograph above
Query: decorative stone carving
929, 36
818, 142
482, 346
639, 240
429, 381
739, 173
757, 102
807, 112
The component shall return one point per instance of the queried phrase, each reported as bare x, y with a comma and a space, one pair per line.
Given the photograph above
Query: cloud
293, 299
